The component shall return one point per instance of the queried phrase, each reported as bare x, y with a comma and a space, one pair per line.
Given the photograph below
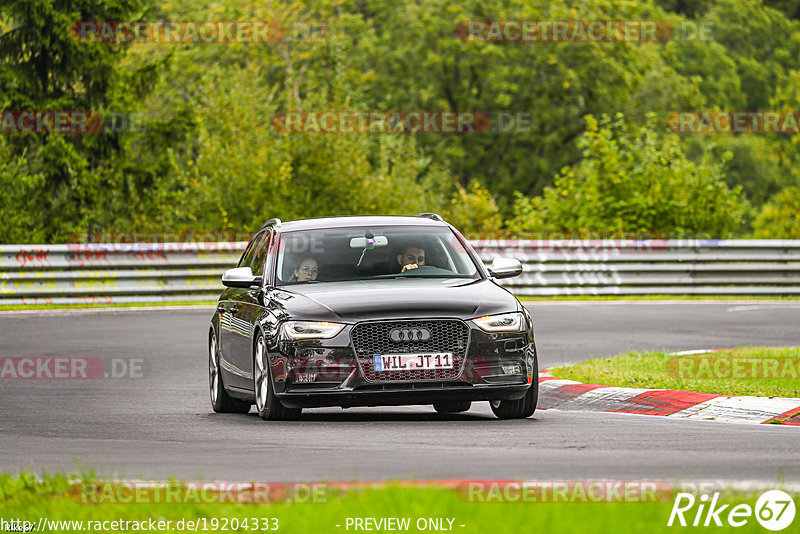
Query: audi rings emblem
399, 335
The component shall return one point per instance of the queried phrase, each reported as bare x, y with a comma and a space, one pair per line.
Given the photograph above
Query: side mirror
240, 277
505, 268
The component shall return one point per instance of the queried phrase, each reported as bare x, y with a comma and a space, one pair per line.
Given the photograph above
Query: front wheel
268, 405
221, 402
520, 408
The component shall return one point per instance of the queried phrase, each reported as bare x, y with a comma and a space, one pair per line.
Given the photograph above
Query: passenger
411, 258
307, 270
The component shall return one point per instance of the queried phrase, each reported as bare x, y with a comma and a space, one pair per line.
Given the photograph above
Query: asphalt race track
161, 424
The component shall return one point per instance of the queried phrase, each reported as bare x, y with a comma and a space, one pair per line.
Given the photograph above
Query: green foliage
780, 217
242, 171
756, 163
417, 63
761, 41
472, 209
789, 7
209, 158
691, 8
77, 183
630, 179
20, 190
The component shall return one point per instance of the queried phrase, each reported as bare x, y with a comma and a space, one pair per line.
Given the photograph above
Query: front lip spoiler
419, 394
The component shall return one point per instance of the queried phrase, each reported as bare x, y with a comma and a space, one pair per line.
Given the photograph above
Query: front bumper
401, 394
316, 373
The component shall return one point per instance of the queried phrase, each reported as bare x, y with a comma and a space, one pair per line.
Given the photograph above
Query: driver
306, 271
411, 258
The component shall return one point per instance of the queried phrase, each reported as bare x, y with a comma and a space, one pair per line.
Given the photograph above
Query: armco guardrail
651, 267
119, 272
87, 273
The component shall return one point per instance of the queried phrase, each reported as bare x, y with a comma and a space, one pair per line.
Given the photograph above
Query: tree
472, 209
82, 178
418, 63
209, 159
756, 163
20, 199
780, 217
631, 180
790, 7
690, 8
761, 41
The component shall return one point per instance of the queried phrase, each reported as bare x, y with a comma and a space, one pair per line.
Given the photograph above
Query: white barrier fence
107, 273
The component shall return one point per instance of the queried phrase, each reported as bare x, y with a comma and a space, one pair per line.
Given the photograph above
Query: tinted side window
261, 256
247, 257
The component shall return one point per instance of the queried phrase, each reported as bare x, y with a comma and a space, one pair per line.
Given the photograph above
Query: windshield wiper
402, 275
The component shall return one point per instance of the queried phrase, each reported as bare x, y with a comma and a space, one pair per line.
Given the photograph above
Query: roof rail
274, 221
432, 216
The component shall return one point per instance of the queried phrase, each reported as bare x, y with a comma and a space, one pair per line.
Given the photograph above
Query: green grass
758, 371
18, 307
55, 498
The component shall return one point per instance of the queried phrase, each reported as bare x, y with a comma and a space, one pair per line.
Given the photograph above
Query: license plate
413, 362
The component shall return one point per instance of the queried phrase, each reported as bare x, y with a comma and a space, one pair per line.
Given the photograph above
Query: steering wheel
427, 269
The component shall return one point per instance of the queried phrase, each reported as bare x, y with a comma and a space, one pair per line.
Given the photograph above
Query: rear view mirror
505, 268
240, 277
369, 242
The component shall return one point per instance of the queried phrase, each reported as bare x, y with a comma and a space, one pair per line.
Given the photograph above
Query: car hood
355, 301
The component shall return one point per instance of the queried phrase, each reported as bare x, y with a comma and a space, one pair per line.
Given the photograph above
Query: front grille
445, 336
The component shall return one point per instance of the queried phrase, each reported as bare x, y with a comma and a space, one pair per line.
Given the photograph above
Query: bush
472, 209
780, 217
633, 180
20, 207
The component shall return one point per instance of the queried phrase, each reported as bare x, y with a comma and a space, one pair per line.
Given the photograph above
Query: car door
235, 333
249, 310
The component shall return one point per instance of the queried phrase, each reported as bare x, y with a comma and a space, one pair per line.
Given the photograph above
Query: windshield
370, 253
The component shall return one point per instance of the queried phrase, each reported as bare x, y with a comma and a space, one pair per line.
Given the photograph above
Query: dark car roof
342, 222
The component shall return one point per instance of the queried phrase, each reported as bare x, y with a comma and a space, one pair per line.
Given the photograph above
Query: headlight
504, 322
311, 329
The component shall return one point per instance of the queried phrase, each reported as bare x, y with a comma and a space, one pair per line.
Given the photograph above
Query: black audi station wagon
369, 311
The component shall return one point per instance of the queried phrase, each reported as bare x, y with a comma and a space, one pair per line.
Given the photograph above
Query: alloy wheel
213, 369
261, 375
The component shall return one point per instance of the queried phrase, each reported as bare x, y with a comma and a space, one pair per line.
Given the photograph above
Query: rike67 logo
774, 510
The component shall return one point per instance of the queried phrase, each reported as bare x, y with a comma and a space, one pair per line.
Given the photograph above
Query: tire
268, 405
520, 408
452, 406
221, 402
